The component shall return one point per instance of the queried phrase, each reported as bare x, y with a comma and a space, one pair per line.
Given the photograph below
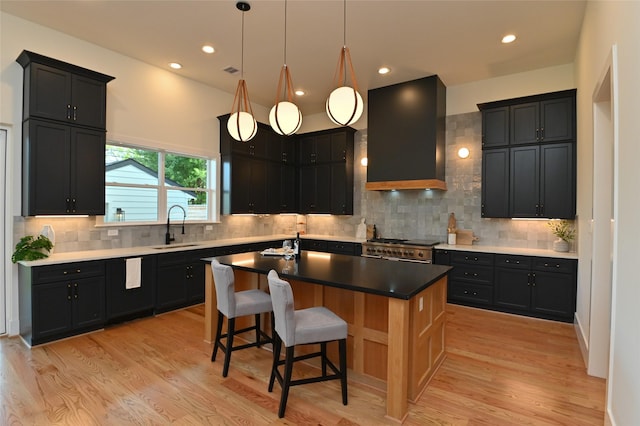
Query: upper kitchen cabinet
63, 92
63, 137
406, 135
528, 161
326, 171
258, 176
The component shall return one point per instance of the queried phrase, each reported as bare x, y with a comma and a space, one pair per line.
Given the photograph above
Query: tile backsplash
415, 214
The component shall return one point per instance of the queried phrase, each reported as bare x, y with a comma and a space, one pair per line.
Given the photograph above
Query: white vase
47, 231
561, 245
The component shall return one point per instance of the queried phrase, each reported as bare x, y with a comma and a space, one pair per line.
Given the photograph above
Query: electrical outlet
112, 232
421, 304
208, 228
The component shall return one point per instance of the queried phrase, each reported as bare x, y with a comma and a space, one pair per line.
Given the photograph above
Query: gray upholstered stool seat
302, 327
232, 305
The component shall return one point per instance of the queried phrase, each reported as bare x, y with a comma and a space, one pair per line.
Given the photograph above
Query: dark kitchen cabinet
124, 304
471, 279
535, 176
180, 279
540, 287
326, 171
248, 185
64, 117
495, 127
495, 183
282, 195
551, 120
542, 181
64, 169
61, 300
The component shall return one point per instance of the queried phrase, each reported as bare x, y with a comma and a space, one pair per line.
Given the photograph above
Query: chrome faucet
167, 237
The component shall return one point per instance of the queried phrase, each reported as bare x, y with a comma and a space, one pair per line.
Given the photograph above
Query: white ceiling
458, 40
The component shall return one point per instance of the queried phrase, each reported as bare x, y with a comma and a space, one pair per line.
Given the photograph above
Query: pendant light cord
344, 24
285, 33
242, 50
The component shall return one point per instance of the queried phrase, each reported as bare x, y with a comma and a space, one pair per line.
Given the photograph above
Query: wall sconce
364, 161
463, 152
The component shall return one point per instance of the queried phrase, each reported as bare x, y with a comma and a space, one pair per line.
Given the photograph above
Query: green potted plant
565, 233
32, 248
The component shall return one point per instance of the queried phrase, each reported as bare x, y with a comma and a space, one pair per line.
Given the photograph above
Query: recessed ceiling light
208, 49
300, 92
175, 65
509, 38
383, 70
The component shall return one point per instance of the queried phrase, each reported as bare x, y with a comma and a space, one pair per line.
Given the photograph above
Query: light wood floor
499, 370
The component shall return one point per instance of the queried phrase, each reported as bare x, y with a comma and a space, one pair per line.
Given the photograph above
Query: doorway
603, 213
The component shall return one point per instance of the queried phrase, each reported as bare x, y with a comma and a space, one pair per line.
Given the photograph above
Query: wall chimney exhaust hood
406, 135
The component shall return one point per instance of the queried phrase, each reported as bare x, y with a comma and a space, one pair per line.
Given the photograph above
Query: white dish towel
133, 273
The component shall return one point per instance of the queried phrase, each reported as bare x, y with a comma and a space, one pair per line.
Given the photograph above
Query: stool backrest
283, 309
225, 288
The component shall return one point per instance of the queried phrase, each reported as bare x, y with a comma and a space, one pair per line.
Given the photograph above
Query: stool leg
323, 357
216, 344
227, 354
258, 329
288, 367
342, 349
277, 345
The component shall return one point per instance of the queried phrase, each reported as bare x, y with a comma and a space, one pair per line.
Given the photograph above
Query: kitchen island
395, 312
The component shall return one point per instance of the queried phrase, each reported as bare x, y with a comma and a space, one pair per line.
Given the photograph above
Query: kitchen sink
172, 246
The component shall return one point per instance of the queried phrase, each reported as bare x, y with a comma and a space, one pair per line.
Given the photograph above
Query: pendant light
241, 125
285, 116
344, 104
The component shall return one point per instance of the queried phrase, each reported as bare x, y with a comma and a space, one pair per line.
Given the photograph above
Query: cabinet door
248, 180
553, 294
341, 190
557, 120
512, 289
288, 185
88, 102
51, 304
47, 161
195, 282
495, 127
524, 181
89, 307
171, 289
315, 188
525, 123
87, 171
557, 181
49, 94
123, 302
495, 183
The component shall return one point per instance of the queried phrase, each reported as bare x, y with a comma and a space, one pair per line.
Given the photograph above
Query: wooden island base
392, 343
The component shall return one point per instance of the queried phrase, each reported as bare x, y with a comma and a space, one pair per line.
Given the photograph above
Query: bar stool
233, 305
303, 327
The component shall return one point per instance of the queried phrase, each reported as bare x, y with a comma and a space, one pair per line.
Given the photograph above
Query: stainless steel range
399, 249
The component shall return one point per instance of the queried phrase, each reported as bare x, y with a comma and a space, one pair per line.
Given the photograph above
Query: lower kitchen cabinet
180, 279
338, 247
61, 300
541, 287
124, 304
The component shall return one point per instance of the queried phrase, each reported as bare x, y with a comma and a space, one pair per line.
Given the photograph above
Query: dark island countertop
397, 279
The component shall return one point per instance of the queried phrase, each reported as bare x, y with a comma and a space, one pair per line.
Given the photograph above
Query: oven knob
420, 254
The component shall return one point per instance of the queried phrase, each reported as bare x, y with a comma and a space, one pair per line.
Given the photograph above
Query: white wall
607, 23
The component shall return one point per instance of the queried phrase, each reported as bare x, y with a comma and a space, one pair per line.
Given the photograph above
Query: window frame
212, 186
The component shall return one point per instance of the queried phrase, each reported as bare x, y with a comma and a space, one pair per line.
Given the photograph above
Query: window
143, 184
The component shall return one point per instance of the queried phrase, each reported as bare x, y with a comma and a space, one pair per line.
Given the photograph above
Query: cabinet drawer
472, 273
314, 245
466, 292
551, 264
340, 247
471, 258
511, 261
67, 271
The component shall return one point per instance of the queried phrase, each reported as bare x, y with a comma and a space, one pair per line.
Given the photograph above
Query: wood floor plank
500, 370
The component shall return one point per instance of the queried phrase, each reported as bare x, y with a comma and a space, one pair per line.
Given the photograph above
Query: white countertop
509, 250
87, 255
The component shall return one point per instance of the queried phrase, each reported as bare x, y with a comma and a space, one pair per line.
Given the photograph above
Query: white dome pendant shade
241, 125
344, 106
285, 116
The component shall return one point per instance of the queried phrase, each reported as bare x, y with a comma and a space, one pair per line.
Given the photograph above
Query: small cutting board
465, 237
